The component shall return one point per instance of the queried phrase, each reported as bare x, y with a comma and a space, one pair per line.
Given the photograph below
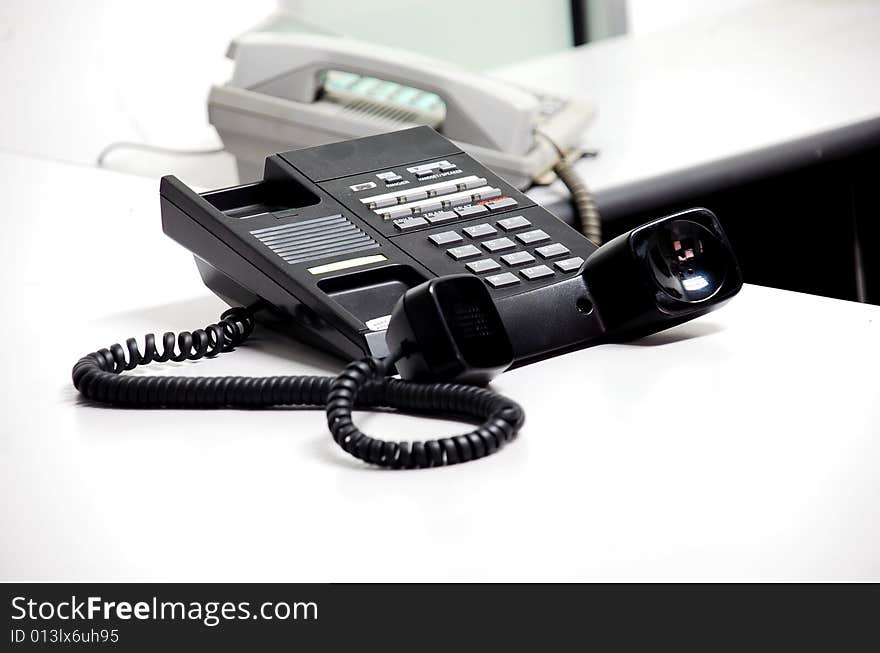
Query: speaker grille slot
319, 238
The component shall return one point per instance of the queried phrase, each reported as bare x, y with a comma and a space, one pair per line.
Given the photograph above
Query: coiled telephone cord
362, 384
589, 222
586, 213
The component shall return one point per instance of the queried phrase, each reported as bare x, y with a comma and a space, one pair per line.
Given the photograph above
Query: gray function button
549, 251
502, 280
537, 272
411, 196
442, 216
504, 203
465, 251
469, 183
483, 265
570, 264
498, 244
424, 174
367, 185
425, 167
486, 194
426, 205
534, 236
480, 230
401, 212
410, 223
382, 202
471, 210
389, 174
518, 258
445, 238
436, 190
447, 167
516, 222
393, 179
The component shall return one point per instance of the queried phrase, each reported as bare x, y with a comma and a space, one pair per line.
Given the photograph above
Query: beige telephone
300, 90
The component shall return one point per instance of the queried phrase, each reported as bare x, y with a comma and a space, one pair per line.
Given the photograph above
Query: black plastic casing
629, 299
331, 270
450, 330
342, 311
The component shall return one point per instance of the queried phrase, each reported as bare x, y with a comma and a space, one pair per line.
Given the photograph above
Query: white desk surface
741, 446
720, 99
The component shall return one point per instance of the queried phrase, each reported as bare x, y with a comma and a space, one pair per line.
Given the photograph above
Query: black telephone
401, 252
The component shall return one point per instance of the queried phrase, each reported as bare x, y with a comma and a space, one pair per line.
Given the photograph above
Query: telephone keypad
570, 264
516, 222
502, 280
445, 238
518, 258
480, 230
549, 251
532, 237
483, 265
498, 244
465, 251
475, 224
536, 272
517, 255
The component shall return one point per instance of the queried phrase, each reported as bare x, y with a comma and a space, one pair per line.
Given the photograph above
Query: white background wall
647, 16
478, 34
113, 71
141, 71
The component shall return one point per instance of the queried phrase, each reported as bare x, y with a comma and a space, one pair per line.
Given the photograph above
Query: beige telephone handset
299, 90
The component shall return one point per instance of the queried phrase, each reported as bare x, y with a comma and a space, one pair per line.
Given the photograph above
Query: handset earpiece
662, 273
448, 329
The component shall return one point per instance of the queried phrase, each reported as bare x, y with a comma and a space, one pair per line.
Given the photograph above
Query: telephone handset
401, 252
301, 90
